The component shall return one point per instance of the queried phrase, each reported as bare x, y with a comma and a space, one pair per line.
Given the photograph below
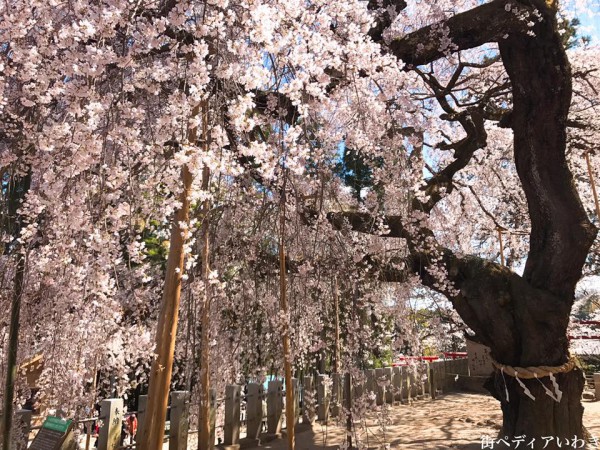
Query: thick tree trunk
546, 422
522, 319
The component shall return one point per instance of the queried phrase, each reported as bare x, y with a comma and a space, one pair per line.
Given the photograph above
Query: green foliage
156, 248
357, 172
569, 33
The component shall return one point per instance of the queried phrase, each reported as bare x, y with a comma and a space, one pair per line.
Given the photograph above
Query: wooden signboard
55, 434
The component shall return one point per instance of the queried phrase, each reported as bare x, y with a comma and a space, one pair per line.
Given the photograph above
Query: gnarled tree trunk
522, 319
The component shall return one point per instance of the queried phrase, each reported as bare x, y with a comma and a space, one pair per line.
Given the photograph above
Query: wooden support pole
152, 434
287, 363
204, 441
501, 246
348, 398
336, 303
18, 188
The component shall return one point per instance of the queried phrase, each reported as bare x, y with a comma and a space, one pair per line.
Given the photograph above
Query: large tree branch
486, 23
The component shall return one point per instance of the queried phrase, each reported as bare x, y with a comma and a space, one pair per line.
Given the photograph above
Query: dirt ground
453, 421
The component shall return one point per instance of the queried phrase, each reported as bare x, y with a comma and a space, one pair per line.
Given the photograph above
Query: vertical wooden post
499, 230
287, 363
18, 188
204, 438
336, 312
348, 397
88, 425
152, 434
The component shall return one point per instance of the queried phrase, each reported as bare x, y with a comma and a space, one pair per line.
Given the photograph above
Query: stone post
397, 383
296, 389
406, 388
432, 382
597, 385
379, 389
141, 414
111, 414
274, 408
414, 386
22, 426
179, 423
254, 410
336, 397
389, 389
323, 398
370, 381
308, 401
231, 428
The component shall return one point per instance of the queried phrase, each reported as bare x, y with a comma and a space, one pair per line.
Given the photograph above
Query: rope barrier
529, 373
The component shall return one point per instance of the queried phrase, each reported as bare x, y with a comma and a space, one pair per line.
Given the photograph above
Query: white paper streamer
548, 392
525, 389
505, 387
557, 390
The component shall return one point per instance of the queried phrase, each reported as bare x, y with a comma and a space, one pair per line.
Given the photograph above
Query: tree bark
522, 319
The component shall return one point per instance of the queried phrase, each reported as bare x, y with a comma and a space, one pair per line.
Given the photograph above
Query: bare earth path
453, 421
